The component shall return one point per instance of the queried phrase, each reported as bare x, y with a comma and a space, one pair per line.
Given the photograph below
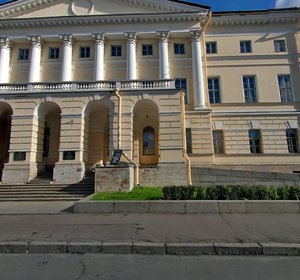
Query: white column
164, 71
131, 55
35, 59
199, 93
4, 59
66, 65
99, 56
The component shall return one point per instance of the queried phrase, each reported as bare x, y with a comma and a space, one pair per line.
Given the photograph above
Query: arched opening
5, 128
96, 133
48, 138
145, 132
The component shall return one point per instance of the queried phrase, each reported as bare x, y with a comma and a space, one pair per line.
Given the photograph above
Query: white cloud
287, 3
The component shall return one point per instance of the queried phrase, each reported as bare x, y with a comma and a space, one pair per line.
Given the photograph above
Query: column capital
163, 36
131, 37
99, 37
35, 40
4, 42
195, 34
67, 39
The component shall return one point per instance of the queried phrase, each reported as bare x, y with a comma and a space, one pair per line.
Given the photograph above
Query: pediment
59, 8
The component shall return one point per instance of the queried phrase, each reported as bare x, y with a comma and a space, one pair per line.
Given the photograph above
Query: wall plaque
19, 156
69, 155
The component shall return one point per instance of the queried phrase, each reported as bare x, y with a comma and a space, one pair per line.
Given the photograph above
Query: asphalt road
152, 227
139, 267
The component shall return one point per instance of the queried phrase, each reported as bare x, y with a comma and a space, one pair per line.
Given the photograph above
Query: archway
5, 128
145, 132
96, 133
48, 138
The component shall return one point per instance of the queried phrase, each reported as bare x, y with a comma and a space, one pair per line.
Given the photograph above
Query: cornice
15, 8
255, 19
103, 19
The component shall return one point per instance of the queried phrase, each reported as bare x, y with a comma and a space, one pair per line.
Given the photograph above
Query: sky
238, 5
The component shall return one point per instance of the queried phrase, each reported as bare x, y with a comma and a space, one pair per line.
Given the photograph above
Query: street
140, 267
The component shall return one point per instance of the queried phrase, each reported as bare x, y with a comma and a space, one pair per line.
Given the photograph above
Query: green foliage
178, 193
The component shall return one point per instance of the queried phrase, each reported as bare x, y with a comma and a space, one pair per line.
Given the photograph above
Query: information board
116, 157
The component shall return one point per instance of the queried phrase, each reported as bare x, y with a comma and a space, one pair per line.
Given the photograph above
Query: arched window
148, 141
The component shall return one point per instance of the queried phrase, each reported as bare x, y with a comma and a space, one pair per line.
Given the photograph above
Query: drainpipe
185, 156
136, 166
119, 117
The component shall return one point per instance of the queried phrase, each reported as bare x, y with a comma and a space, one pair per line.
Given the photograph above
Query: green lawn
140, 193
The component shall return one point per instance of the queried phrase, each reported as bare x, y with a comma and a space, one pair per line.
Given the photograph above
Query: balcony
97, 86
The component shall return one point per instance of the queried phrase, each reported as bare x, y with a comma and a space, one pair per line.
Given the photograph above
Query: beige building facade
167, 82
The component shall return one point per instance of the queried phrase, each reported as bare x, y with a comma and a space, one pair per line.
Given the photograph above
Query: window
148, 141
179, 48
285, 88
218, 142
211, 47
245, 46
188, 135
23, 54
53, 53
84, 52
249, 89
182, 84
214, 90
254, 141
147, 49
116, 50
279, 46
292, 140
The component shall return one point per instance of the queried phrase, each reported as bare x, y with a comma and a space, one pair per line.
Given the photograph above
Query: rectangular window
147, 49
179, 48
245, 46
249, 89
285, 88
214, 90
116, 50
53, 53
292, 140
188, 134
218, 141
279, 46
182, 84
254, 141
84, 51
23, 54
211, 47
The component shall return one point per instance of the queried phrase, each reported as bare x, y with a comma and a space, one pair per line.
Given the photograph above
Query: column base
69, 173
20, 173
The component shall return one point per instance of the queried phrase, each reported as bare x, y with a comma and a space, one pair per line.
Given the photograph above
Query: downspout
184, 153
136, 166
119, 117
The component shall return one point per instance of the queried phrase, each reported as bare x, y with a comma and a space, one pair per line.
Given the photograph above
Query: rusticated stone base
114, 179
20, 173
69, 172
164, 174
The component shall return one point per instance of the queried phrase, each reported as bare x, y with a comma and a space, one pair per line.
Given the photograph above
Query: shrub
178, 193
294, 193
200, 193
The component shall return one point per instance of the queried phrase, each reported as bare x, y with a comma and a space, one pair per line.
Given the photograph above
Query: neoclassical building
168, 82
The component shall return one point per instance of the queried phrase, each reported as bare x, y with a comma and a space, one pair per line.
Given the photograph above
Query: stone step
40, 199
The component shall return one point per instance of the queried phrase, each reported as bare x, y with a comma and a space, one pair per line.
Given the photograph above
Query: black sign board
116, 157
69, 155
19, 156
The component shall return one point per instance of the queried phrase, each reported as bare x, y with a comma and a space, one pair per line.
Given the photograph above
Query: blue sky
237, 5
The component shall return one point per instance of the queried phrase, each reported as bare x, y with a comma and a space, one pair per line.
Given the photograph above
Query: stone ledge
188, 206
151, 248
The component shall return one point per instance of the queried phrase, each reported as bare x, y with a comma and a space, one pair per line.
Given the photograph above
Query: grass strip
140, 193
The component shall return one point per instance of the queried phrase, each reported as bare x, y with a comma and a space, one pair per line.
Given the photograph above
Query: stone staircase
41, 189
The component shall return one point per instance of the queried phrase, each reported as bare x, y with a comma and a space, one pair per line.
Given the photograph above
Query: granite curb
188, 206
150, 248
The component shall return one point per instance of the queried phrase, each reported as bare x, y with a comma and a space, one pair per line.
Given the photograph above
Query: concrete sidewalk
152, 233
